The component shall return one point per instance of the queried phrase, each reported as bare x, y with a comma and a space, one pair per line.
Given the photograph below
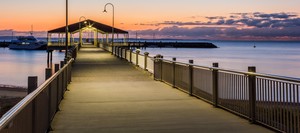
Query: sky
180, 19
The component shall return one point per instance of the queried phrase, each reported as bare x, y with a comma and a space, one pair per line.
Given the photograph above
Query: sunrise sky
180, 19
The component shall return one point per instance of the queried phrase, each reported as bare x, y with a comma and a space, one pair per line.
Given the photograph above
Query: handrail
9, 116
278, 77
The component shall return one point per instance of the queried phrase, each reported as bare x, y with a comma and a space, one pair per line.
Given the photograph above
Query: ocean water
276, 58
17, 65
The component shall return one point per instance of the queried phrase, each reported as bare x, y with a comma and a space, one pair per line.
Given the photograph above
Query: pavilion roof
73, 28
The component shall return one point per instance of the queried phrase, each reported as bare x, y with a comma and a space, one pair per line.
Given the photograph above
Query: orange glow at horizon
131, 15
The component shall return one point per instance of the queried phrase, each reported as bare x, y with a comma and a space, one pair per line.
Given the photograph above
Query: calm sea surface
277, 58
17, 65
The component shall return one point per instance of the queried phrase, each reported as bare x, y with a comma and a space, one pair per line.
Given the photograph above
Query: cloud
254, 20
274, 15
215, 17
221, 33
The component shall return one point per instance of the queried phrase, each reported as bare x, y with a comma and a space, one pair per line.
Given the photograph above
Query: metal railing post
173, 78
130, 55
62, 64
70, 73
121, 53
146, 61
125, 50
252, 93
137, 57
215, 84
191, 62
32, 85
56, 69
118, 52
161, 67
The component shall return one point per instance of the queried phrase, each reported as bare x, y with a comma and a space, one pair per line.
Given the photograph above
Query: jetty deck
108, 94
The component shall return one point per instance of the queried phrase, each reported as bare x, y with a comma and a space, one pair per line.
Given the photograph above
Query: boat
27, 43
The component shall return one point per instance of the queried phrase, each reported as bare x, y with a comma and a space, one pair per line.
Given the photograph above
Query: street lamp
80, 30
67, 36
113, 23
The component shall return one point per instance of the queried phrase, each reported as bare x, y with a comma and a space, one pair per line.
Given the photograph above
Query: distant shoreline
12, 91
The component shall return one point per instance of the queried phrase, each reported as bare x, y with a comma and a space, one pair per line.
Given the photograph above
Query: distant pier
172, 44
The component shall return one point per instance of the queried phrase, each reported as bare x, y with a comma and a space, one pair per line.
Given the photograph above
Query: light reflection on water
279, 58
17, 65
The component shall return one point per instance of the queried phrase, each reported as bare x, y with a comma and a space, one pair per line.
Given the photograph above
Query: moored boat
27, 43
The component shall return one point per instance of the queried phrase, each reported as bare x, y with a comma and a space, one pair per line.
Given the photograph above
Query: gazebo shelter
87, 32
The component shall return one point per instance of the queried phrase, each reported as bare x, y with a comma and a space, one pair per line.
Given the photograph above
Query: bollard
146, 61
252, 93
174, 59
215, 84
48, 73
191, 62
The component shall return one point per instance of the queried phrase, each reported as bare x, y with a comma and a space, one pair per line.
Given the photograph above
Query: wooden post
146, 60
48, 73
51, 56
48, 58
56, 68
252, 93
173, 78
32, 86
215, 84
32, 83
62, 63
191, 62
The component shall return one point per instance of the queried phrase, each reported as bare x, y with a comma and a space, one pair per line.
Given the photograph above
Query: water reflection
17, 65
280, 58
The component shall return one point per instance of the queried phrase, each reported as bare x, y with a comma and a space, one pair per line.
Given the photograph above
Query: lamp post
113, 23
80, 30
67, 31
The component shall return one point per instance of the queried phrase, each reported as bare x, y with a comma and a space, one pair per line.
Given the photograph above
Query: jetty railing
269, 100
34, 113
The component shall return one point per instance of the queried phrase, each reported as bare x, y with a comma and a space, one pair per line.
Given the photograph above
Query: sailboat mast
31, 32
